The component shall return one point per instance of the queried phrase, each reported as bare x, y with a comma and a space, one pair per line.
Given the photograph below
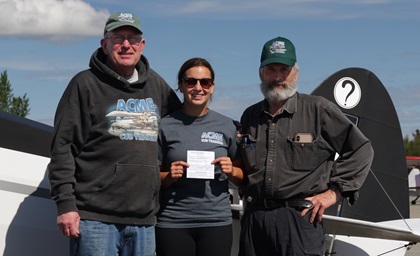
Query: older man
288, 145
103, 172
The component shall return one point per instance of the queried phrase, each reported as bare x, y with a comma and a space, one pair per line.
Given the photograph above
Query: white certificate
200, 164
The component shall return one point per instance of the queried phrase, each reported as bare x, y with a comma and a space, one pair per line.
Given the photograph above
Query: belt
271, 203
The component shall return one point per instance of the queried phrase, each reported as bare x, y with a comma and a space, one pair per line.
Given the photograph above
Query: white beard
275, 95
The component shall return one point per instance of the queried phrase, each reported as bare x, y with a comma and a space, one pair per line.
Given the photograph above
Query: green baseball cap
119, 19
278, 50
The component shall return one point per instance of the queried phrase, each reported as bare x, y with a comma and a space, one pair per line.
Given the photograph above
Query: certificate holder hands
234, 173
176, 172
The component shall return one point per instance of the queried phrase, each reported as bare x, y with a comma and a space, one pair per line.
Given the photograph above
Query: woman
195, 216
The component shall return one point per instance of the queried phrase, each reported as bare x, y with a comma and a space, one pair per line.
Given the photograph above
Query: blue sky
45, 42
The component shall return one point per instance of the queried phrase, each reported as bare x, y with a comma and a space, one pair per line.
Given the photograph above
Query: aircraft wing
392, 230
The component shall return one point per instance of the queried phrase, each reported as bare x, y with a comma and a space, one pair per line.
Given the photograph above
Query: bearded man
288, 144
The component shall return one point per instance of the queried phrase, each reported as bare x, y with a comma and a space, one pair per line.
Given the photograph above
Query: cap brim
284, 61
122, 25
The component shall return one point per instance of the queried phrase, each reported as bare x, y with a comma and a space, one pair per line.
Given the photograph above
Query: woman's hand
232, 170
175, 172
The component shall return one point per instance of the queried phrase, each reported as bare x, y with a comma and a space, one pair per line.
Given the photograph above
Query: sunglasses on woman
205, 83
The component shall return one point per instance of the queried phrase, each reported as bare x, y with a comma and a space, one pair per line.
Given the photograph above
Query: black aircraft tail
366, 102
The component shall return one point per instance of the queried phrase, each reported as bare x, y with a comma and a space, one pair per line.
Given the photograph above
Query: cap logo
278, 47
127, 17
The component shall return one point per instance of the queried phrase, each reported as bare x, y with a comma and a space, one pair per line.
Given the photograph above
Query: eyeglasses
119, 39
205, 83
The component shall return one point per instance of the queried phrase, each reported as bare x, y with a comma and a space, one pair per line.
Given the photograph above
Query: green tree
412, 147
15, 105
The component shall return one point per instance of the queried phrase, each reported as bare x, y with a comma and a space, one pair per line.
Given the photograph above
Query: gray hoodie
104, 146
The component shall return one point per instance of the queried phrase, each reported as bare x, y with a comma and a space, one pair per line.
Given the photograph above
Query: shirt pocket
302, 156
248, 146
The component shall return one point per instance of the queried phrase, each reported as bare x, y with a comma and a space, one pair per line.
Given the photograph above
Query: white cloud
54, 20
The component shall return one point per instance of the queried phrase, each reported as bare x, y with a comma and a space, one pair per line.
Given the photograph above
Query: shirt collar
290, 106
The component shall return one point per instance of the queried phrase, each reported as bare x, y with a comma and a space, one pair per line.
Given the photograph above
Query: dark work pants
279, 232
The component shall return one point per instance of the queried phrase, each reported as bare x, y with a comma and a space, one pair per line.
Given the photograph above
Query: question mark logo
347, 93
344, 84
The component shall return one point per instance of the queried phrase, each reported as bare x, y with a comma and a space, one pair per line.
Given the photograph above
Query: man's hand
321, 203
68, 224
